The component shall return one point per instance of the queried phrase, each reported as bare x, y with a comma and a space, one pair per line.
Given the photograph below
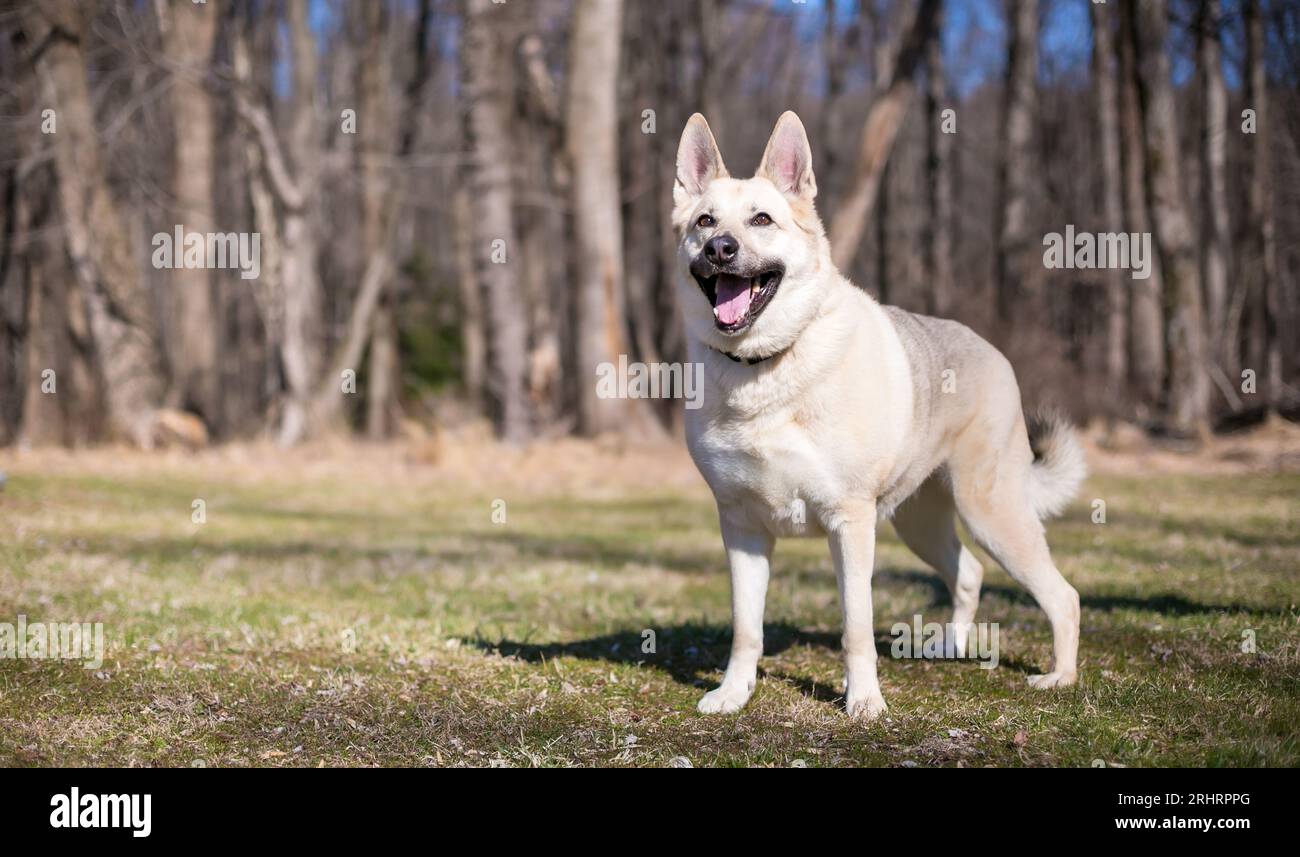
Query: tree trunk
708, 25
672, 337
939, 183
1215, 235
496, 242
638, 157
268, 288
1146, 350
878, 133
473, 372
291, 174
61, 397
383, 372
1112, 199
882, 237
592, 143
1187, 410
304, 341
43, 421
373, 315
188, 33
98, 240
1261, 250
838, 46
1019, 105
374, 146
540, 163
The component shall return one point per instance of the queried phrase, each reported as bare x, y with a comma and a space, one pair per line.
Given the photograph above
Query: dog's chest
772, 471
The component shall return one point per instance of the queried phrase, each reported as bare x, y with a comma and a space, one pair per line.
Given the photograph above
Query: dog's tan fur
852, 412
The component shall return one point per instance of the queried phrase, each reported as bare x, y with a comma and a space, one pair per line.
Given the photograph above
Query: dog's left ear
787, 161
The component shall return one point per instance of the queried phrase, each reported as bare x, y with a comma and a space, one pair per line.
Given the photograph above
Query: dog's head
753, 251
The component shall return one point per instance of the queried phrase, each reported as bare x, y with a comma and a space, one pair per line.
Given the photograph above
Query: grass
369, 611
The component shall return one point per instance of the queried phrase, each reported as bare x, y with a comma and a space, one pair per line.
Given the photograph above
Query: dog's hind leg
990, 477
927, 523
749, 553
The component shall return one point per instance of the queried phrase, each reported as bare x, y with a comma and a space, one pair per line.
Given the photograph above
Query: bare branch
289, 192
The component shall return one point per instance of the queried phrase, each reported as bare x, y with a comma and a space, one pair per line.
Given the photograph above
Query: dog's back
955, 372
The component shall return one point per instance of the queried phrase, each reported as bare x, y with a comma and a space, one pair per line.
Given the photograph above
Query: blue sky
974, 37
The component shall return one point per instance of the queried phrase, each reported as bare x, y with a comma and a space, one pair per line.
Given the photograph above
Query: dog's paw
1052, 679
867, 706
724, 699
960, 636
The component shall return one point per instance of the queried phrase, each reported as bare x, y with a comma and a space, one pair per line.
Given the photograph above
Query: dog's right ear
698, 161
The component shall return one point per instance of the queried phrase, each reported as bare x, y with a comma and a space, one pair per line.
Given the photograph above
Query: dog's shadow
690, 653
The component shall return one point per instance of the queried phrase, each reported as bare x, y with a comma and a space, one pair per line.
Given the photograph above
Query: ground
369, 606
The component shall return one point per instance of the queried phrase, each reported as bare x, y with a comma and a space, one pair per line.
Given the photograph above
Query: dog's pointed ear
787, 160
698, 160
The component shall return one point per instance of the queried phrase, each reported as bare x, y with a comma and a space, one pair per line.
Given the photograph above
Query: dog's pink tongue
733, 298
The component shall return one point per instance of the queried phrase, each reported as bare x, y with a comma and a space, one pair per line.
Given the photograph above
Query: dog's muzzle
738, 295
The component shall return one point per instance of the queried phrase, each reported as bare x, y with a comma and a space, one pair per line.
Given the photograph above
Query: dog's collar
750, 361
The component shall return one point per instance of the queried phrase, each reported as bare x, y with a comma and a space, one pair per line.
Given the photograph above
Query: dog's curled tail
1059, 465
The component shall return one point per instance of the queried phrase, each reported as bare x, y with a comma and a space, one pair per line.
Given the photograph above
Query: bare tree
292, 173
268, 288
188, 32
374, 148
1019, 103
372, 318
709, 27
107, 270
838, 44
495, 234
1215, 236
300, 280
1188, 380
473, 345
639, 157
894, 94
542, 164
1112, 200
592, 143
1262, 249
314, 401
1146, 350
880, 61
57, 385
939, 181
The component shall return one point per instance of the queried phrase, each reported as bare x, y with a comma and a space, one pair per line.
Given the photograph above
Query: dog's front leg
749, 553
853, 548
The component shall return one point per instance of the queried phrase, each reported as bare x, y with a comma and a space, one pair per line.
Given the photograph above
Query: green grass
333, 619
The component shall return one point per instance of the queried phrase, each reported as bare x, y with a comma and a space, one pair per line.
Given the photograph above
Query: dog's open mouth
737, 301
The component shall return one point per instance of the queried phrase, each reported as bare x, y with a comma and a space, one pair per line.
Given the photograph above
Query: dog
824, 412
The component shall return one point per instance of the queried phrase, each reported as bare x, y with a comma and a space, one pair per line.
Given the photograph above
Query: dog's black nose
721, 250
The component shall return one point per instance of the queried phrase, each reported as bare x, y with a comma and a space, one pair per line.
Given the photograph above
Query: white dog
824, 412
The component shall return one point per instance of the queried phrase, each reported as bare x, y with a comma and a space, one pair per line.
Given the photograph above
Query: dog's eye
705, 221
761, 219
